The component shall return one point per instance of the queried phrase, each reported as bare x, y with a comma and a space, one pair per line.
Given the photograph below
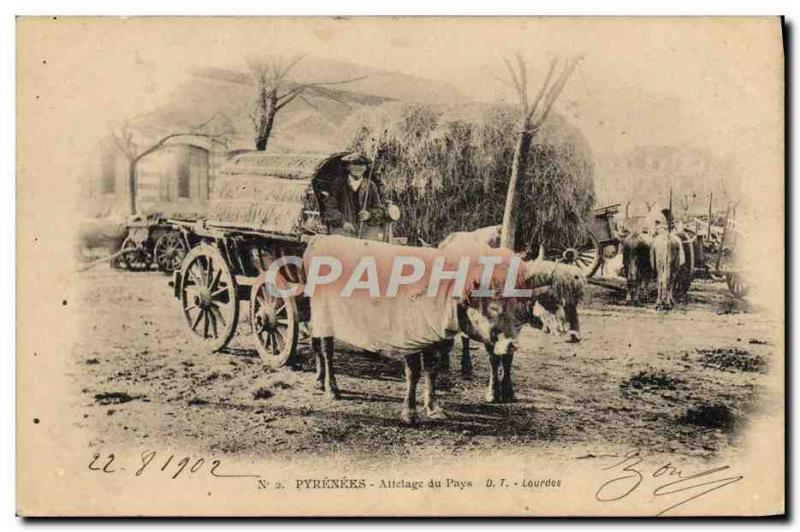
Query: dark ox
106, 233
553, 309
494, 321
638, 268
661, 259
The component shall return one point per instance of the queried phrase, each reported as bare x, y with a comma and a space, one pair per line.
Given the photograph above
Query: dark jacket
343, 204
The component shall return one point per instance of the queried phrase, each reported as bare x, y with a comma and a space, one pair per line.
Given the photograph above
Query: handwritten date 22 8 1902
170, 465
633, 473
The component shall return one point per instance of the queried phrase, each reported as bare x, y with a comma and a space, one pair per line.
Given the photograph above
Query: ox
107, 233
667, 257
637, 266
419, 316
662, 259
552, 308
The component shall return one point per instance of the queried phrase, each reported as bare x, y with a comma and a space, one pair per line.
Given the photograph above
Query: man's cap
355, 158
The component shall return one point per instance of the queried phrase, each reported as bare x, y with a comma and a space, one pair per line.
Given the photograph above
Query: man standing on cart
354, 205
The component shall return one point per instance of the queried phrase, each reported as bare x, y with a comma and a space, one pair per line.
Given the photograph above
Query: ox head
557, 290
497, 321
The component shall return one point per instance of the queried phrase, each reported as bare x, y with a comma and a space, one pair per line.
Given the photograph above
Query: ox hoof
409, 417
332, 395
508, 397
573, 338
319, 385
492, 396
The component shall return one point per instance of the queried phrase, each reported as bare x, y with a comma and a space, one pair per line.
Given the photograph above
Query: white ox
410, 318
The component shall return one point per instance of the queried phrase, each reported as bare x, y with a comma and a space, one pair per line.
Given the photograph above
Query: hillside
229, 95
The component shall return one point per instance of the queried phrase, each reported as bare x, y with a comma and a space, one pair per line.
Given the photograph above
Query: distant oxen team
656, 255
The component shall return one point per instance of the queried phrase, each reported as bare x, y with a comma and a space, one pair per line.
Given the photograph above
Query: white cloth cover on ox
399, 325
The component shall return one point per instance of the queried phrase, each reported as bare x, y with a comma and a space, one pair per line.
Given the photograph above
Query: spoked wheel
134, 256
208, 297
586, 256
737, 284
274, 322
169, 251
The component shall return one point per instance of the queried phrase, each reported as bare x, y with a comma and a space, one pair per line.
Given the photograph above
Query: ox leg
413, 369
659, 291
673, 280
319, 361
493, 391
506, 386
466, 360
331, 390
429, 373
630, 287
442, 353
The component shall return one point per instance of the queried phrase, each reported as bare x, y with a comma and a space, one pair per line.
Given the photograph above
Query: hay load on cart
262, 207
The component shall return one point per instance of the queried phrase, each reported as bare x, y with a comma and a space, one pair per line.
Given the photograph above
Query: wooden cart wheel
737, 284
135, 257
586, 257
274, 322
169, 251
208, 297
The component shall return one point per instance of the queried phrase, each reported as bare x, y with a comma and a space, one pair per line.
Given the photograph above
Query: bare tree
687, 203
532, 117
275, 91
134, 153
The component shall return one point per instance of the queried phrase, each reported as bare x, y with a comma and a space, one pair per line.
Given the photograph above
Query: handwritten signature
634, 472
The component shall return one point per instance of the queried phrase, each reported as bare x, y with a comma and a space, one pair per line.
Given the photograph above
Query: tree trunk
268, 110
518, 168
132, 186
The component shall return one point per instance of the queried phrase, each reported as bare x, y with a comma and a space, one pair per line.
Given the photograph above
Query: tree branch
290, 66
287, 101
538, 98
124, 148
517, 86
161, 142
308, 102
316, 85
552, 96
330, 95
523, 80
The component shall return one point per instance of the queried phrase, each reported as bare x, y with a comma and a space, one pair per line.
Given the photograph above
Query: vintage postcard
400, 266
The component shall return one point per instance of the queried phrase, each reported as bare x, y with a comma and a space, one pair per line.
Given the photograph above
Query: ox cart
156, 240
603, 241
600, 244
262, 207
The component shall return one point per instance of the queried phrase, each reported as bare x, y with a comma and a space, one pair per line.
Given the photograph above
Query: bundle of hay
448, 170
269, 192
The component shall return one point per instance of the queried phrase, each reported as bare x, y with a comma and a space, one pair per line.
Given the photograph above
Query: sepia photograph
400, 266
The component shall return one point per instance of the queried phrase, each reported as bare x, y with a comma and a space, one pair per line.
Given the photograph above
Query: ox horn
529, 267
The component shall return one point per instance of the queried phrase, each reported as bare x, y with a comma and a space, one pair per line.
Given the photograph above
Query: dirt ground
684, 382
